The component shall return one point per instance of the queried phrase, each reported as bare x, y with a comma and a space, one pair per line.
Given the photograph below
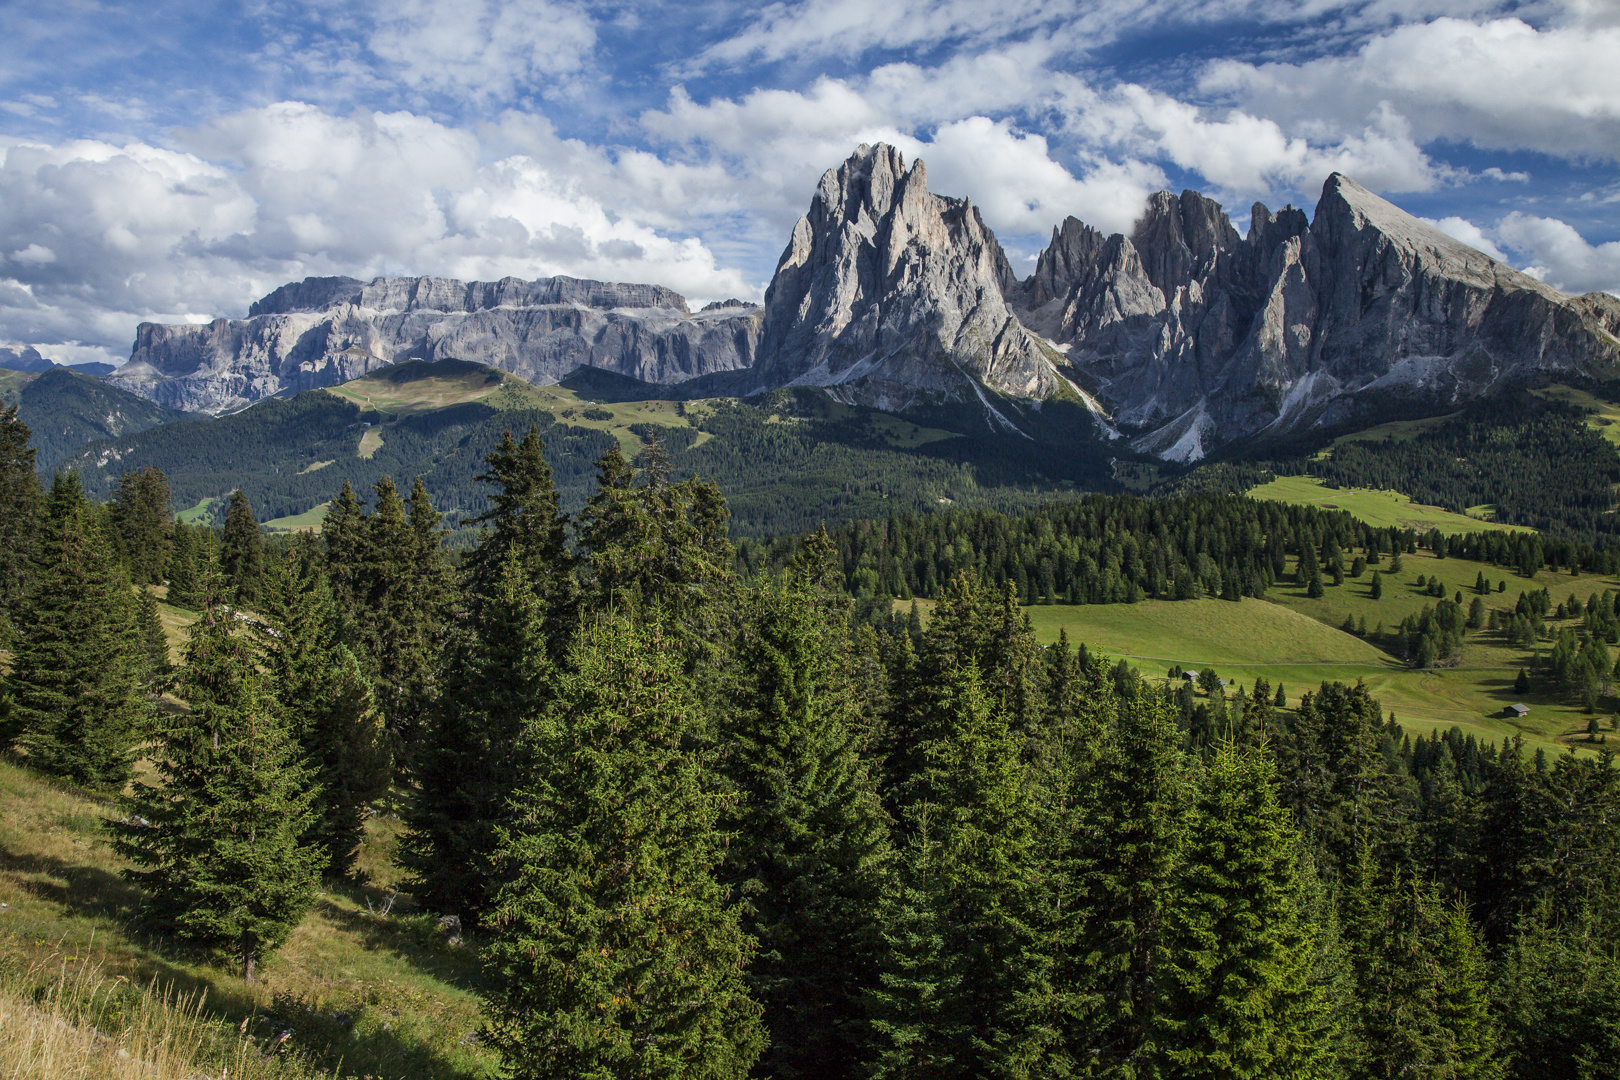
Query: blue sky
174, 161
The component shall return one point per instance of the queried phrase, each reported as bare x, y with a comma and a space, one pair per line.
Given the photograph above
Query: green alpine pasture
1381, 508
1293, 639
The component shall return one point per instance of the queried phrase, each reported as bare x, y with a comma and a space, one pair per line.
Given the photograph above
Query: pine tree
80, 662
142, 521
21, 509
959, 923
219, 843
327, 704
1234, 975
184, 559
613, 951
811, 841
520, 599
241, 554
1127, 860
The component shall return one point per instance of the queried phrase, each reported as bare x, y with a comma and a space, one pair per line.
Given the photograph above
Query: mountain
65, 409
787, 460
1196, 336
891, 296
325, 331
1185, 335
23, 358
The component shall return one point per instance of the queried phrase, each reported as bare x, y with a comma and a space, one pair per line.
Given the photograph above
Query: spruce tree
520, 601
811, 844
218, 845
501, 677
184, 559
1234, 983
80, 661
142, 521
241, 553
327, 703
1127, 862
21, 511
613, 951
155, 665
960, 922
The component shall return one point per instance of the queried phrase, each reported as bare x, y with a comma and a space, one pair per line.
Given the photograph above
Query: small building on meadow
1513, 712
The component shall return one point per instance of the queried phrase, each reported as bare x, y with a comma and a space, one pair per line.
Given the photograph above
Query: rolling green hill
65, 410
786, 461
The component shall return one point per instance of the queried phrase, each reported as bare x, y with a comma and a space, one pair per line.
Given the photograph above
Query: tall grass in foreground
81, 1025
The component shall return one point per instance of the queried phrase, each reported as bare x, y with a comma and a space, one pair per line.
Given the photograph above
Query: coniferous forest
710, 812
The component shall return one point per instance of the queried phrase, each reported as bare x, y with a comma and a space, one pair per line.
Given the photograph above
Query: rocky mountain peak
1197, 336
890, 295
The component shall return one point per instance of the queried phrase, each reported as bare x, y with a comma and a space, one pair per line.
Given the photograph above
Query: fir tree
962, 940
1234, 976
219, 844
141, 515
20, 512
80, 662
241, 554
327, 704
1376, 590
613, 952
811, 840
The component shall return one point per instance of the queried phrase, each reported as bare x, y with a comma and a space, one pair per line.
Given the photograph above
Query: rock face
323, 331
23, 358
891, 296
1201, 336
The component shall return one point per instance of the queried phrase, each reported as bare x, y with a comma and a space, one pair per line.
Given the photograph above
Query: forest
710, 812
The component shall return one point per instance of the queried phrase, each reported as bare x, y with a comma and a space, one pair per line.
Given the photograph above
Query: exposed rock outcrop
889, 295
323, 331
23, 358
1202, 336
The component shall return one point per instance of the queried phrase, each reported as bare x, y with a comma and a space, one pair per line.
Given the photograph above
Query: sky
172, 162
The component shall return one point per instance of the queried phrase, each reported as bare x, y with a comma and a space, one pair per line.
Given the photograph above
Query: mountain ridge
1184, 335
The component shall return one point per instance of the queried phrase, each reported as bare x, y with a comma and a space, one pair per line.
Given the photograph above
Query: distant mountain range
1183, 337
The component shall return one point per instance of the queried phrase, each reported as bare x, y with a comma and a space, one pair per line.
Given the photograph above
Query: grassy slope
308, 521
1294, 639
383, 993
1380, 508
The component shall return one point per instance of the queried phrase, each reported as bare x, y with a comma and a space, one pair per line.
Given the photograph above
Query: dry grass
363, 987
81, 1025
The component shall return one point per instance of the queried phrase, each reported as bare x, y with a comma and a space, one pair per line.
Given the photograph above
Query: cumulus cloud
263, 196
1561, 256
482, 48
1462, 229
1500, 84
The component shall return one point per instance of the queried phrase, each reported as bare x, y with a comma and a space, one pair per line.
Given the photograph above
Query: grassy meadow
1290, 638
366, 986
1384, 509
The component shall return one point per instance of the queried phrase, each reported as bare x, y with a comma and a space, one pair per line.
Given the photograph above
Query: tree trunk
249, 962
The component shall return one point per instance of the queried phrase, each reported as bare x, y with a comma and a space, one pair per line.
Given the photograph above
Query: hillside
787, 461
65, 410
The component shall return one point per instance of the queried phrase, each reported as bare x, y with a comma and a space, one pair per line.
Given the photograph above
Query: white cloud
268, 195
482, 48
1561, 256
1462, 229
1501, 84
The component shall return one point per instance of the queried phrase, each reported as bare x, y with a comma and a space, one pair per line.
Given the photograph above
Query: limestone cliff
889, 295
323, 331
1198, 336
